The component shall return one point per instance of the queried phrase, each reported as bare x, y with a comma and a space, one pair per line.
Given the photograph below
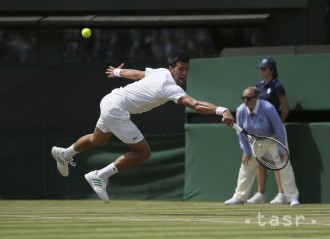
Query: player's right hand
228, 118
110, 70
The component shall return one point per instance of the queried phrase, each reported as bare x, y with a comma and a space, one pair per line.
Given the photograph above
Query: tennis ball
86, 32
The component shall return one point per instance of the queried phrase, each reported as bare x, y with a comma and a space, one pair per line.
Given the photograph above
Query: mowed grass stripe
156, 219
192, 220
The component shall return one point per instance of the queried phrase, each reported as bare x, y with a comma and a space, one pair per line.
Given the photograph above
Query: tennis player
152, 88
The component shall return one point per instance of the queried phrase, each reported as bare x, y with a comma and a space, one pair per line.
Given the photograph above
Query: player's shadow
306, 162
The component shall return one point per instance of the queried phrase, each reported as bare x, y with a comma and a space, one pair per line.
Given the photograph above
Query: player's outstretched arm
204, 107
125, 73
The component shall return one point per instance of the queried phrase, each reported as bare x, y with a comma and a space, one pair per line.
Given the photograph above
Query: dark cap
268, 62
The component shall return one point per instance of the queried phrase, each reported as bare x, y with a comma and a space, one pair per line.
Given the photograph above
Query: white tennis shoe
279, 199
62, 163
258, 198
234, 201
99, 185
294, 202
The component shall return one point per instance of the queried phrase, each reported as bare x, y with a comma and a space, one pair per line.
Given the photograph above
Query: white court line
312, 223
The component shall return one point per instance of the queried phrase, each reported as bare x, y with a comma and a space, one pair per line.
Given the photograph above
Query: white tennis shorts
115, 120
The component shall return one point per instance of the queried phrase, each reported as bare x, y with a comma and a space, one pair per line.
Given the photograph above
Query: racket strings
270, 153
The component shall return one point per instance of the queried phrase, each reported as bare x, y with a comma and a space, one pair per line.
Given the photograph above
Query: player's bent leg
98, 179
63, 156
98, 138
140, 152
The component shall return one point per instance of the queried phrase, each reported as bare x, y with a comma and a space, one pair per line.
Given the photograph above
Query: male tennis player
152, 88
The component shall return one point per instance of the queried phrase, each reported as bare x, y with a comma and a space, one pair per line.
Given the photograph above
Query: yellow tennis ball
86, 32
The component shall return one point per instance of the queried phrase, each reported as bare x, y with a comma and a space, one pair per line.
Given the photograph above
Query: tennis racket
268, 151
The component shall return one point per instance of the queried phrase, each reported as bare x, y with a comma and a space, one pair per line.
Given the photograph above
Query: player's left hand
110, 70
228, 118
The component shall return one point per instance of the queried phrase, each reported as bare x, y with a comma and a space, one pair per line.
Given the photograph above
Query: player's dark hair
178, 57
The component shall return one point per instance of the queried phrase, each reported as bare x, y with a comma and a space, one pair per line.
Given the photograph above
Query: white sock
69, 153
107, 171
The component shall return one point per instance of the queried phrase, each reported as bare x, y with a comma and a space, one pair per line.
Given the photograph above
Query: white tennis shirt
155, 89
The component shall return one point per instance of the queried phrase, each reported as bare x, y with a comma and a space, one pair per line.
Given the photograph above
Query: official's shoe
279, 199
62, 163
294, 202
99, 185
258, 198
234, 201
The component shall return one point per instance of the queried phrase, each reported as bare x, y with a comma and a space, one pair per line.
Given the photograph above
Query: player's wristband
116, 72
220, 110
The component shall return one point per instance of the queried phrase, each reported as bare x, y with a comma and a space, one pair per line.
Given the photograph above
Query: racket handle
237, 128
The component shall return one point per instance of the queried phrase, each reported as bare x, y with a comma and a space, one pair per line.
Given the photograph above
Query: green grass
159, 219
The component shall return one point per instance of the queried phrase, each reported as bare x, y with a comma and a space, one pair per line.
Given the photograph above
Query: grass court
93, 219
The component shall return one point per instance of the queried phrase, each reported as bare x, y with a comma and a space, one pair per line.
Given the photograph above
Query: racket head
270, 153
